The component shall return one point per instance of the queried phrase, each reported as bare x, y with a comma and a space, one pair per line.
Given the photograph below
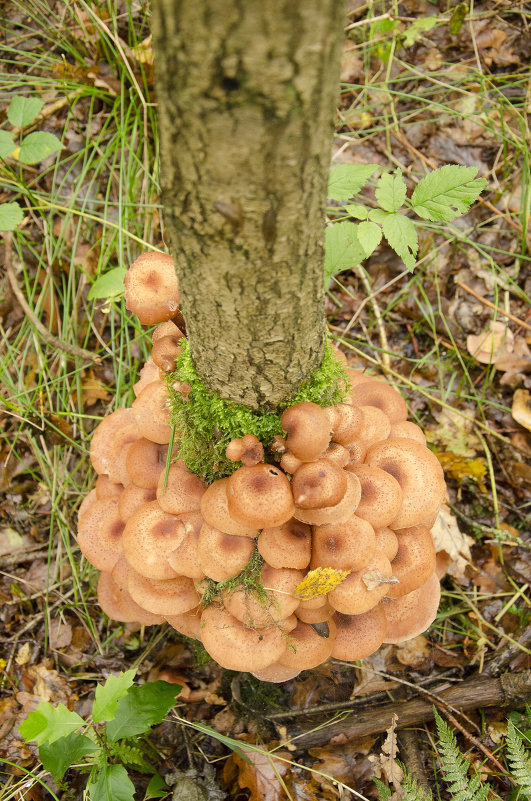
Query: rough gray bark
246, 93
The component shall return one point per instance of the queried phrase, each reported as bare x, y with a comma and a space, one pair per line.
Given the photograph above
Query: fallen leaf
262, 775
386, 764
488, 347
60, 634
449, 538
320, 581
455, 433
461, 469
93, 390
23, 654
521, 408
414, 653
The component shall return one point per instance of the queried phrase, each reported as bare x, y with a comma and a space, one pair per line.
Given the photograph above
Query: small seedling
112, 739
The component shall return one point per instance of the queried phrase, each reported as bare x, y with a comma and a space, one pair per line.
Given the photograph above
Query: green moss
249, 580
207, 422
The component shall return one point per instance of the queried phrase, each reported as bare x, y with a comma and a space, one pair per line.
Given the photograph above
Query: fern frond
413, 791
384, 793
454, 766
519, 760
130, 755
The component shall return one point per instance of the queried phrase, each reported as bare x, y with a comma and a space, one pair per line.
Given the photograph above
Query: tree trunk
246, 98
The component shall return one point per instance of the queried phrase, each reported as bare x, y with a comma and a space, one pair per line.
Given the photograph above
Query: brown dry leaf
143, 52
86, 258
60, 634
262, 775
48, 684
449, 538
521, 408
373, 579
23, 654
414, 653
93, 390
514, 364
455, 433
386, 764
492, 345
342, 761
11, 541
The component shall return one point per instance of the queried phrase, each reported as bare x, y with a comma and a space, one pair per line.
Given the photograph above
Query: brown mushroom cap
288, 545
356, 451
215, 510
381, 495
357, 377
187, 623
307, 648
308, 430
165, 350
88, 501
248, 450
183, 492
132, 498
346, 422
382, 396
418, 472
412, 614
318, 484
414, 562
163, 597
109, 440
236, 647
386, 542
221, 555
320, 615
145, 461
343, 546
408, 430
118, 604
151, 413
376, 426
185, 559
358, 636
151, 288
289, 463
361, 591
148, 374
335, 453
276, 673
106, 489
339, 513
99, 534
167, 329
260, 495
280, 585
149, 537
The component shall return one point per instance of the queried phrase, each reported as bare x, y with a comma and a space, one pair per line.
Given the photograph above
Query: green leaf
446, 193
48, 723
108, 695
234, 745
378, 215
141, 708
109, 286
7, 144
342, 249
401, 234
357, 210
391, 191
157, 788
458, 17
57, 757
111, 783
370, 236
23, 110
37, 146
346, 180
11, 215
417, 28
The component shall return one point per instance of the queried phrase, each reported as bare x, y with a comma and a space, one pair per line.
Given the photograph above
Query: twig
493, 306
21, 557
478, 691
51, 339
408, 743
386, 362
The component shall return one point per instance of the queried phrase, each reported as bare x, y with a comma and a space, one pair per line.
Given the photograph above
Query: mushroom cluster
350, 488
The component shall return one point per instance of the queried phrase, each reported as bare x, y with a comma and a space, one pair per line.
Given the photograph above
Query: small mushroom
185, 558
108, 444
414, 562
308, 430
150, 535
381, 495
335, 453
148, 374
260, 495
386, 542
151, 413
289, 463
408, 430
308, 649
151, 288
234, 646
167, 329
106, 489
132, 498
288, 545
346, 422
183, 491
322, 614
248, 450
376, 426
276, 673
412, 614
221, 555
318, 484
118, 604
361, 591
280, 585
164, 352
187, 623
215, 510
358, 636
343, 546
339, 513
163, 596
145, 461
99, 534
382, 396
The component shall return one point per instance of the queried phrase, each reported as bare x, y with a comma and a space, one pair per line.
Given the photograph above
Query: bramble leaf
7, 144
141, 708
157, 788
342, 249
11, 215
37, 146
401, 234
446, 193
370, 236
346, 180
357, 210
48, 723
108, 695
111, 783
109, 286
414, 32
23, 110
318, 582
57, 757
391, 191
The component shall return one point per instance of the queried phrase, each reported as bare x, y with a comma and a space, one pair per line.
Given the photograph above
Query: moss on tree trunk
246, 93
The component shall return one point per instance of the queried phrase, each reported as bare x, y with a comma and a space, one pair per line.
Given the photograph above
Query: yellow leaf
521, 410
460, 469
320, 581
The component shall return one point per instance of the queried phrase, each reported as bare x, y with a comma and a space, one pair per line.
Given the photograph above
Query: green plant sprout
30, 149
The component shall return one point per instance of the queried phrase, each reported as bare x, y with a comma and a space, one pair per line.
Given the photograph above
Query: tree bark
246, 93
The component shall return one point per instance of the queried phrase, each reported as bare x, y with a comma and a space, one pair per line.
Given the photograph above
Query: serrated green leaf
378, 215
11, 215
111, 784
157, 788
23, 110
401, 234
58, 756
108, 695
414, 32
49, 723
346, 180
141, 708
342, 249
7, 144
357, 211
370, 236
458, 17
446, 193
391, 191
37, 146
109, 286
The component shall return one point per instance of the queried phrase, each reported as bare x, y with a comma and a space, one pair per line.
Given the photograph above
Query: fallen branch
510, 689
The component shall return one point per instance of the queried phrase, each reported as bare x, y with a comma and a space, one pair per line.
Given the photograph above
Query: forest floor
423, 85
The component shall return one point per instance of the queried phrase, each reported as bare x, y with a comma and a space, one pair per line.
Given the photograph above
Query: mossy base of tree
205, 423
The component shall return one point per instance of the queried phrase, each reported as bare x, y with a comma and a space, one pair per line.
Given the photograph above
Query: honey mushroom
339, 513
376, 426
151, 288
276, 673
100, 532
307, 649
343, 546
346, 422
411, 614
118, 604
183, 490
360, 591
414, 562
288, 545
386, 542
165, 350
222, 556
106, 489
185, 558
108, 447
408, 430
148, 375
321, 614
318, 484
149, 536
260, 495
187, 623
163, 596
358, 636
383, 397
145, 461
279, 584
381, 495
248, 450
215, 510
132, 498
151, 413
234, 646
308, 430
